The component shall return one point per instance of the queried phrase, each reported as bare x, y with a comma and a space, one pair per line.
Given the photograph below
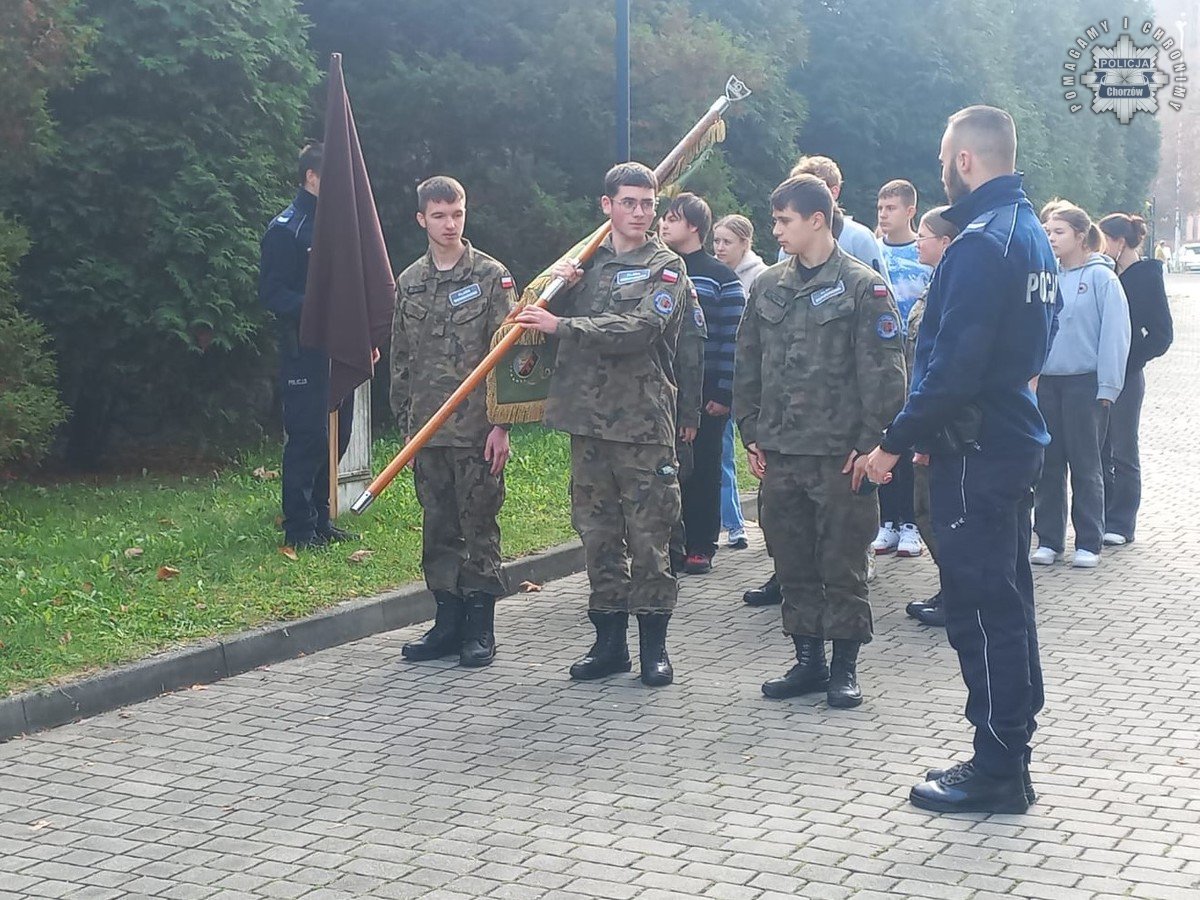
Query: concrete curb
212, 660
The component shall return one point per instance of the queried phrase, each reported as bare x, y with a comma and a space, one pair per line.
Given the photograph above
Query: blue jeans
731, 503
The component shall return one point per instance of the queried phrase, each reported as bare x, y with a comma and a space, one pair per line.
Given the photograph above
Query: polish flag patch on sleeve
670, 276
506, 282
880, 290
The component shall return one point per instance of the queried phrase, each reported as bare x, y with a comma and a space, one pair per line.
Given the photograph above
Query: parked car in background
1189, 258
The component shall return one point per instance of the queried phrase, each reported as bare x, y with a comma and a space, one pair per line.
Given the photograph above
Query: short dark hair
439, 189
311, 157
806, 194
989, 132
628, 174
695, 211
901, 190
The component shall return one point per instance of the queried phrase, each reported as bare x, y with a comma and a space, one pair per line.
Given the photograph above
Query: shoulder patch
887, 327
879, 290
698, 317
286, 216
828, 293
631, 276
507, 282
465, 295
664, 303
670, 276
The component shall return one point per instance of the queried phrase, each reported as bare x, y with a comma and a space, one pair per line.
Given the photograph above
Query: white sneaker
1044, 556
1112, 539
910, 544
887, 540
1085, 559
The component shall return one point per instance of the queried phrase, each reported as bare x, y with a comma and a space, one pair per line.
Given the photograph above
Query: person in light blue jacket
1082, 377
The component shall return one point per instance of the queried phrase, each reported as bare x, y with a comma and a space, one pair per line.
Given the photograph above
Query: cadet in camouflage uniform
820, 371
614, 391
449, 303
689, 377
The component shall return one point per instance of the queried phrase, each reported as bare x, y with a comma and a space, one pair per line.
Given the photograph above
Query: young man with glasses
614, 391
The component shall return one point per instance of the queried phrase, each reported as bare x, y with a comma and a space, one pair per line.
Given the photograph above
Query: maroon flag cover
349, 298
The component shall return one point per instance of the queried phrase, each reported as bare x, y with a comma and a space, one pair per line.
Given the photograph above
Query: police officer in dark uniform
989, 319
304, 371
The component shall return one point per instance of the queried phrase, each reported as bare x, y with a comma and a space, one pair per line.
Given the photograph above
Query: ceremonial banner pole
666, 172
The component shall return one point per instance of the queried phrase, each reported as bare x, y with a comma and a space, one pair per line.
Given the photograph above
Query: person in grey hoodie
1083, 375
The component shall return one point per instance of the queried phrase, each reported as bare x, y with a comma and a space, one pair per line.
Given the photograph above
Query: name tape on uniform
465, 295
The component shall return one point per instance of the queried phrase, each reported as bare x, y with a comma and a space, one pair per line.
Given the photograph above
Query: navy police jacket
990, 315
283, 267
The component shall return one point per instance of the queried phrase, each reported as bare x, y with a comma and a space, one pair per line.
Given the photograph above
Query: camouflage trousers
624, 503
921, 509
819, 530
460, 499
683, 454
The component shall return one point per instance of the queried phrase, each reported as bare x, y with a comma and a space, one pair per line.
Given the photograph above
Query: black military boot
770, 594
445, 637
333, 534
652, 646
916, 605
1031, 796
479, 631
964, 788
809, 674
610, 653
844, 692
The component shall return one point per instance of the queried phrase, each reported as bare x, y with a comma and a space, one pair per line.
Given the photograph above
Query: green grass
72, 601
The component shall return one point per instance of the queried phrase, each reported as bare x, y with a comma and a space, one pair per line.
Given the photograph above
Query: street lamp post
622, 86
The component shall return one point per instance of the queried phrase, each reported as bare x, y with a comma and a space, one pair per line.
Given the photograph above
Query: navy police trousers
981, 506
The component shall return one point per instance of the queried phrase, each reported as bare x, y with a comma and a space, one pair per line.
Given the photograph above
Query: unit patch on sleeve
465, 295
887, 327
664, 303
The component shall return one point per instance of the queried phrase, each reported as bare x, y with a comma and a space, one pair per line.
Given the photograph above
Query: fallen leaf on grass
39, 825
133, 552
87, 587
64, 638
289, 552
166, 572
529, 587
360, 556
262, 473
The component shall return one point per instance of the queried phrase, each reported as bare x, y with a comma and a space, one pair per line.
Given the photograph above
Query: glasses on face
629, 204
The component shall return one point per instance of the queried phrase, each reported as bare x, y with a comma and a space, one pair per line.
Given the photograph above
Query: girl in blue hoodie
1083, 375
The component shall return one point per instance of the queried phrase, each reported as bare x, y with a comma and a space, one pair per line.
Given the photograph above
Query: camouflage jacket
820, 364
614, 375
689, 364
442, 329
915, 315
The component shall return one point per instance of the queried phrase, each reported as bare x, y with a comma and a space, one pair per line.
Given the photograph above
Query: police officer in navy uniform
304, 371
989, 319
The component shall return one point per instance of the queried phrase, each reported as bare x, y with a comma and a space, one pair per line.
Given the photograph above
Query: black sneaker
698, 564
315, 541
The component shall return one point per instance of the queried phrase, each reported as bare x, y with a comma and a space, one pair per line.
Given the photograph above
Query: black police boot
916, 605
770, 594
314, 541
809, 674
1031, 796
964, 788
844, 692
445, 637
932, 613
479, 631
610, 653
652, 646
334, 534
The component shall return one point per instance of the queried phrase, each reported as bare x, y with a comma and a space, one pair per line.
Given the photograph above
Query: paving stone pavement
352, 774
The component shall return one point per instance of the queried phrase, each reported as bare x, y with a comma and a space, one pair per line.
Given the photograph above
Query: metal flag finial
735, 89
